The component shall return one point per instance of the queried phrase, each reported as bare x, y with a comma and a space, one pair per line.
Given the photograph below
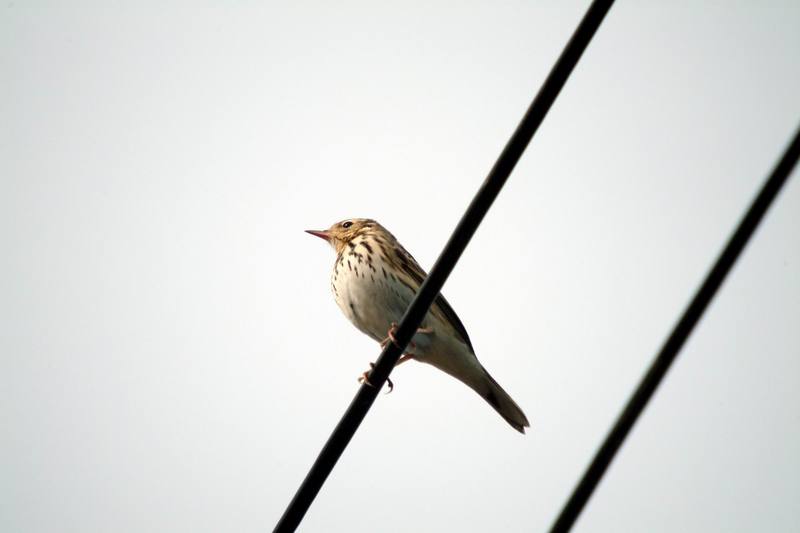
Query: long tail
466, 368
492, 392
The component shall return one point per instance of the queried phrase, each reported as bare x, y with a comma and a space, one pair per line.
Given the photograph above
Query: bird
374, 280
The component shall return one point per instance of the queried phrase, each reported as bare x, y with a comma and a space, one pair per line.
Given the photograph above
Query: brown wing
440, 306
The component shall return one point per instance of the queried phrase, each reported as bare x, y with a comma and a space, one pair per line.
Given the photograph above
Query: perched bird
374, 280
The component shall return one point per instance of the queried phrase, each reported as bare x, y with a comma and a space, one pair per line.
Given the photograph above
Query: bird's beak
321, 234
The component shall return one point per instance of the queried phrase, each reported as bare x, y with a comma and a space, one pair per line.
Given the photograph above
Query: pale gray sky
171, 358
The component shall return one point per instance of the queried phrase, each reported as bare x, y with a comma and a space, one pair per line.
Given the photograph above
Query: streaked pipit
374, 280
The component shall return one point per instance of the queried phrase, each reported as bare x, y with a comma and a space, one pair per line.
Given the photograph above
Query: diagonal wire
691, 316
466, 228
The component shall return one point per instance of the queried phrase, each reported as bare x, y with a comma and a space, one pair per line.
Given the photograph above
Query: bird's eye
347, 224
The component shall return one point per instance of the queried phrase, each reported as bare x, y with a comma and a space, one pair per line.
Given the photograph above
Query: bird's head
339, 234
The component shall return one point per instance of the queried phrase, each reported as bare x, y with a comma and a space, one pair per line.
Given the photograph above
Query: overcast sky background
171, 358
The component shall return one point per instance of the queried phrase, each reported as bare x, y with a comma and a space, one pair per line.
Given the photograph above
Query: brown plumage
374, 280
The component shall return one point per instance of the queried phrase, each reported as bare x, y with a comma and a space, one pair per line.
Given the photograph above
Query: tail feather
469, 371
494, 394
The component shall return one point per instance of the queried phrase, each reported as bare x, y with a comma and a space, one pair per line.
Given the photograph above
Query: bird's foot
364, 378
391, 338
406, 357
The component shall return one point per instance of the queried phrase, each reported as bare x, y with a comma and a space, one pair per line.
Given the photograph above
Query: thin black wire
691, 316
466, 228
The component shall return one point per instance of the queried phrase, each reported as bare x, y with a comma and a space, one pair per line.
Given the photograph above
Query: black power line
466, 228
691, 316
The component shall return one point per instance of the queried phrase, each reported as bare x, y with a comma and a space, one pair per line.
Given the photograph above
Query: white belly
371, 297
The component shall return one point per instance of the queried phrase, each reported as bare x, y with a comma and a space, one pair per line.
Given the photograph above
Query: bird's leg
364, 379
390, 336
393, 330
403, 359
413, 344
